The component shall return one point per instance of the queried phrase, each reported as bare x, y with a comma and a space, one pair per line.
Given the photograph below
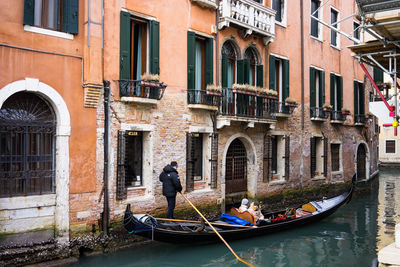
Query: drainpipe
106, 90
216, 47
302, 87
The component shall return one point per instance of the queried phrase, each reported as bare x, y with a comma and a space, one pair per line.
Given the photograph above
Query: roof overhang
373, 6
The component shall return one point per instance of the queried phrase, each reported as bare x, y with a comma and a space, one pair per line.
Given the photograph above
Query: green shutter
340, 93
246, 71
70, 16
312, 87
355, 98
209, 60
332, 79
224, 71
240, 72
285, 79
321, 88
260, 76
378, 75
362, 98
191, 40
154, 47
125, 45
29, 12
272, 79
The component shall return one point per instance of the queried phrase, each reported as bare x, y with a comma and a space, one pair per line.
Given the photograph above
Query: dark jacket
171, 183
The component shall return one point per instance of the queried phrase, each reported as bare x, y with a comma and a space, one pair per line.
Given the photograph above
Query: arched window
251, 59
27, 150
228, 64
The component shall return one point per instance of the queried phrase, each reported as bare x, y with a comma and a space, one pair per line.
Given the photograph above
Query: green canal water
350, 237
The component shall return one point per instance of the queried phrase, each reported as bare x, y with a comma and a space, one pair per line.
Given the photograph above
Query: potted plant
345, 111
290, 102
327, 108
213, 89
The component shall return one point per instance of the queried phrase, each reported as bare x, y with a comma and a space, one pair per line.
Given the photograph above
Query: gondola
192, 232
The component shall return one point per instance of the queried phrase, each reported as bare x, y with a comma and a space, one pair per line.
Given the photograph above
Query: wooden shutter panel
189, 162
246, 71
240, 72
356, 98
340, 93
224, 71
214, 160
154, 47
267, 159
121, 188
209, 61
325, 156
362, 98
332, 82
260, 76
272, 78
191, 40
70, 16
29, 12
378, 75
285, 79
321, 89
312, 87
313, 156
125, 46
287, 157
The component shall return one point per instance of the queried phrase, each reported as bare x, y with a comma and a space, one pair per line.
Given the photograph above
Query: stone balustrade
247, 14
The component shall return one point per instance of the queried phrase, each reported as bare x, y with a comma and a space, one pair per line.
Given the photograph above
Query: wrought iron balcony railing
285, 108
246, 104
249, 15
360, 118
203, 97
140, 88
318, 113
337, 115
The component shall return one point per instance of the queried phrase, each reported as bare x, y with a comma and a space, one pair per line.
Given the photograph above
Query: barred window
27, 150
390, 146
335, 157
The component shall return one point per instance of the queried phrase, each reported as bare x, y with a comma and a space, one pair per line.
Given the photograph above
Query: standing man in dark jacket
171, 184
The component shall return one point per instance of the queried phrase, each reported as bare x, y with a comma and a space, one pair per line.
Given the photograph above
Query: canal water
350, 237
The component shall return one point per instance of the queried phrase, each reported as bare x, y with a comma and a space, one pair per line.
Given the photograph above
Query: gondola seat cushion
231, 219
245, 215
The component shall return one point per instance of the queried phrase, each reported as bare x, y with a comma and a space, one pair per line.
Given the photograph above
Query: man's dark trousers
171, 206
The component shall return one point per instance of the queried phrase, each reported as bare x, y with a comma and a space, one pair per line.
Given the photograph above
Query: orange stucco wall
62, 72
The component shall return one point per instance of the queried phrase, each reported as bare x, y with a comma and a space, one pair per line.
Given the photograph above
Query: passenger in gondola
255, 210
244, 205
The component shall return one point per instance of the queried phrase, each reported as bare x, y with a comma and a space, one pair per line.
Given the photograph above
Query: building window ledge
337, 122
48, 32
206, 3
201, 106
139, 100
282, 115
318, 119
279, 182
318, 178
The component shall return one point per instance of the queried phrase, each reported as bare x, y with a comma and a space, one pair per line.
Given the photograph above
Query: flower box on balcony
212, 89
137, 90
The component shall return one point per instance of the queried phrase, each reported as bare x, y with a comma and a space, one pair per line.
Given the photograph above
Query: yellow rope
223, 240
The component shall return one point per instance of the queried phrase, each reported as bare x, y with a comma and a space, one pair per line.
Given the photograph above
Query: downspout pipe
302, 87
106, 90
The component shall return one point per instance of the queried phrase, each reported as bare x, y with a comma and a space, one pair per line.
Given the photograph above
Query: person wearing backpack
171, 185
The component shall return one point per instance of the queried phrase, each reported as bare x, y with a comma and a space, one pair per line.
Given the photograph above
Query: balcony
250, 107
249, 16
140, 91
360, 119
206, 3
318, 114
285, 109
337, 117
202, 99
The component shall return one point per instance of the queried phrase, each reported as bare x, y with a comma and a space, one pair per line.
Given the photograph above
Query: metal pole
106, 134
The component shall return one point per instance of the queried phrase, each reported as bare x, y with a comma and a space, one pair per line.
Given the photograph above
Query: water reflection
350, 237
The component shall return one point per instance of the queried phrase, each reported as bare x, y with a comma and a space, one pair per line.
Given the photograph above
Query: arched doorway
27, 151
236, 167
361, 162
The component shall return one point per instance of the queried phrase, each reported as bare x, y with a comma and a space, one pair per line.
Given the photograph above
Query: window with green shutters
336, 82
359, 100
279, 77
228, 65
139, 47
317, 92
253, 70
378, 75
58, 15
